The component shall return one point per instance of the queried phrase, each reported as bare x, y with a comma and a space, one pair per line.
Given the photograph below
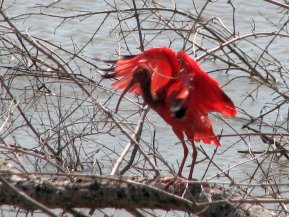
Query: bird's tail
202, 129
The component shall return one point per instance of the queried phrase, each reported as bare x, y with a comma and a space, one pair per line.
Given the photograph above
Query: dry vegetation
57, 116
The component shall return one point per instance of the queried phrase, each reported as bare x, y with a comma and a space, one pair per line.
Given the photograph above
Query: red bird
177, 88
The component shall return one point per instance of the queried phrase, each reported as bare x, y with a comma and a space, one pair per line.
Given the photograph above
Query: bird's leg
180, 136
194, 156
186, 151
176, 182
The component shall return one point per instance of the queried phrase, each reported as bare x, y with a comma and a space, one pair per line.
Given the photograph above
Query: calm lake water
248, 13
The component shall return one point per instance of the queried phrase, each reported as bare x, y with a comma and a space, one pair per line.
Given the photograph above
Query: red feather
206, 94
161, 63
177, 88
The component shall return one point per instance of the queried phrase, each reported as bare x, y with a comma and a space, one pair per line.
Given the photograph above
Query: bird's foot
177, 185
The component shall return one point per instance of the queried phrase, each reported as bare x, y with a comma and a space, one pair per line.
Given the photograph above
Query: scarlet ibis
175, 86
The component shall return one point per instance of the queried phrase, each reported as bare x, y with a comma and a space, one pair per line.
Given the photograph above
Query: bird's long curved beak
131, 83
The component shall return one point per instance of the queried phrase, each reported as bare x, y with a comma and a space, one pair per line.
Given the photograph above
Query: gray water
78, 31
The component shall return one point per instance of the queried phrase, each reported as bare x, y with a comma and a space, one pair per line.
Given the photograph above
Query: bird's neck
153, 100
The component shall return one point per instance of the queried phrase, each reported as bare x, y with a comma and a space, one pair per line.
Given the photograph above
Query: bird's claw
177, 185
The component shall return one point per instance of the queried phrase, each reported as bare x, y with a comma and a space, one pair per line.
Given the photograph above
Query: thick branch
128, 193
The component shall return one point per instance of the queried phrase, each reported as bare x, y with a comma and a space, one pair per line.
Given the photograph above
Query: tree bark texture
127, 193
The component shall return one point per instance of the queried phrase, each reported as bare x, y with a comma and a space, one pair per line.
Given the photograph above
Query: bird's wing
206, 94
161, 63
209, 97
124, 69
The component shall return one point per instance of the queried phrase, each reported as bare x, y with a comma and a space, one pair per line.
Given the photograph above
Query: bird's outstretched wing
197, 94
161, 63
205, 94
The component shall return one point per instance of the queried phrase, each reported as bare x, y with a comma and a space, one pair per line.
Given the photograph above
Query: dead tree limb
127, 193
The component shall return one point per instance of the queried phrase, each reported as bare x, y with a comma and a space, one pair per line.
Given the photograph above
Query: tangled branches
57, 114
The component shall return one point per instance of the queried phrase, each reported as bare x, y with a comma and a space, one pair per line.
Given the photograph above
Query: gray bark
127, 193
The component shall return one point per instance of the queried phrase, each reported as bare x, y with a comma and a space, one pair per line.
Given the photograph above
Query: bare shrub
58, 115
